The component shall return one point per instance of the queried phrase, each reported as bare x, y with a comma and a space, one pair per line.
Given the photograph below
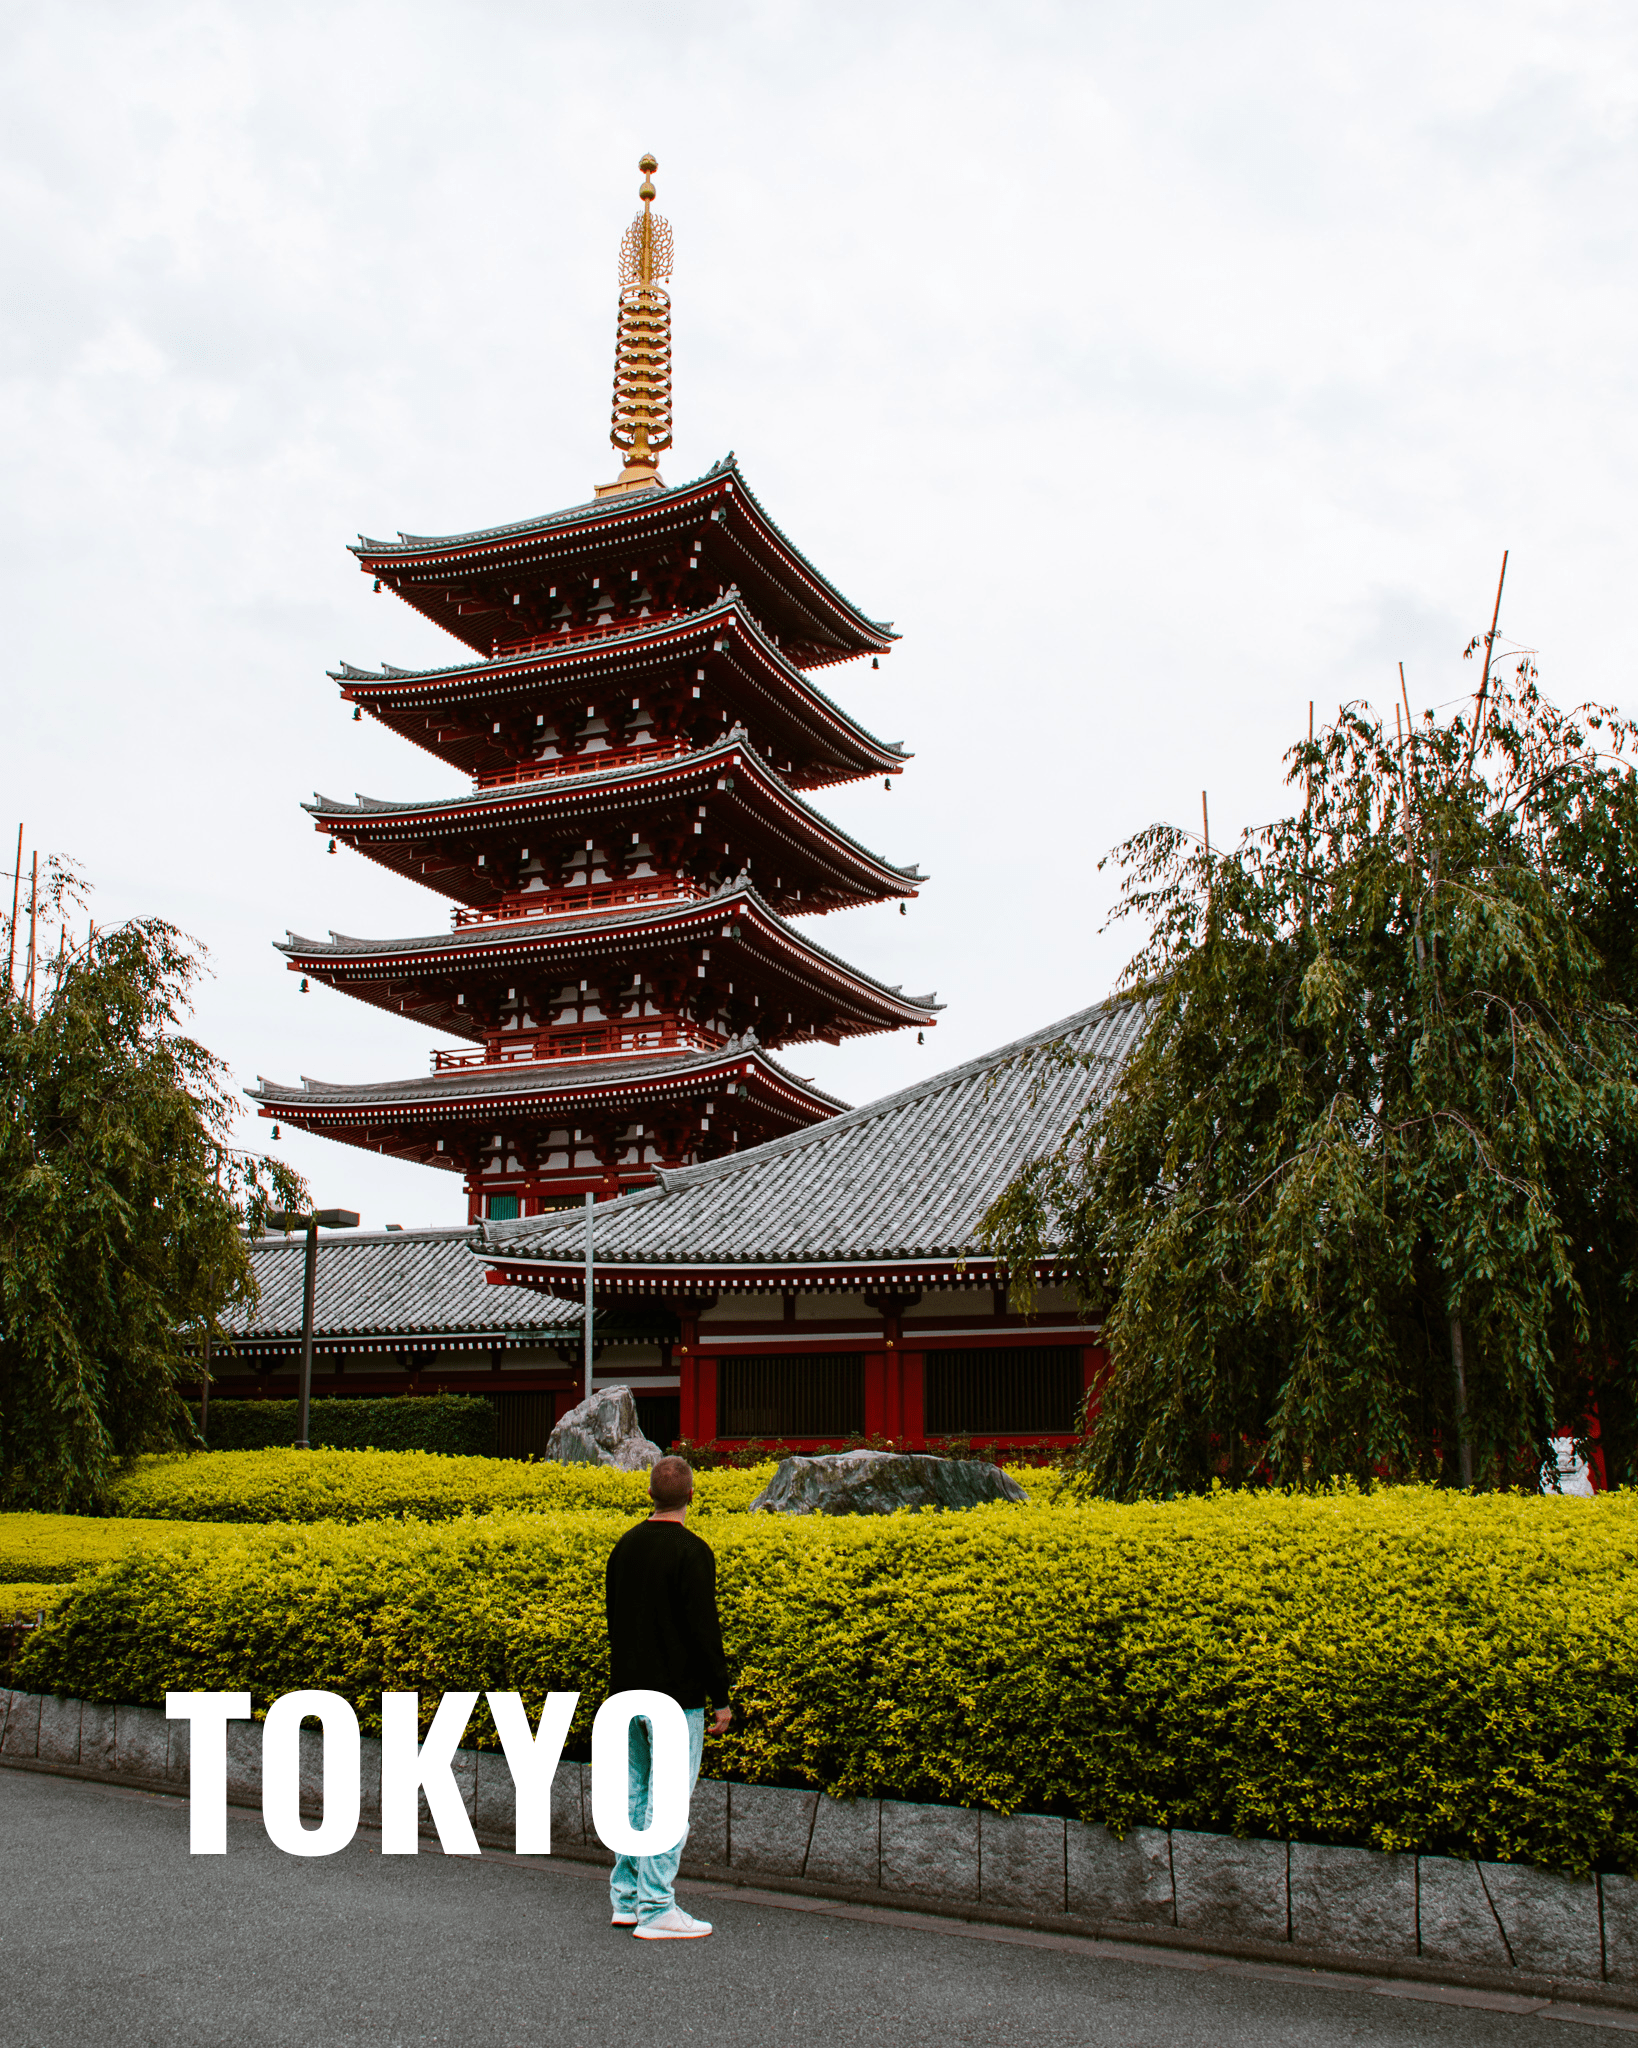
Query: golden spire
642, 348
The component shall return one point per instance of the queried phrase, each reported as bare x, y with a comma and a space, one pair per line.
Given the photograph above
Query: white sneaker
672, 1925
623, 1920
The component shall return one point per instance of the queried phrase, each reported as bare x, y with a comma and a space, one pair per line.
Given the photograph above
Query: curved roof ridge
469, 1080
677, 1180
476, 937
504, 793
729, 465
392, 1283
561, 516
881, 625
918, 1091
415, 1233
500, 664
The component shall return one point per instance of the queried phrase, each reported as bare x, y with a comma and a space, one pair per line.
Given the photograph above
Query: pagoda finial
642, 347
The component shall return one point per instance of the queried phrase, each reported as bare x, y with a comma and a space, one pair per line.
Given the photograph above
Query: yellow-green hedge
28, 1598
35, 1548
364, 1486
1413, 1670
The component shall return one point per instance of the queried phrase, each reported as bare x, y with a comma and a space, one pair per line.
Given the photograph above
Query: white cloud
1157, 368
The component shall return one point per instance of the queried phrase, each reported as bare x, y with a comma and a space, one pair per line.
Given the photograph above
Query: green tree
122, 1207
1364, 1201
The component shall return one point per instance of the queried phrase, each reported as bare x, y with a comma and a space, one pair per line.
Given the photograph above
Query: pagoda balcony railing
574, 902
585, 764
603, 629
595, 1042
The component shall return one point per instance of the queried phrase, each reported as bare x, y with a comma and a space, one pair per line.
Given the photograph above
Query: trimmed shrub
363, 1486
24, 1601
457, 1425
1411, 1670
57, 1548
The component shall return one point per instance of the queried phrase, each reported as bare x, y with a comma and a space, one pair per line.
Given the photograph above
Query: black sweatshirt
664, 1635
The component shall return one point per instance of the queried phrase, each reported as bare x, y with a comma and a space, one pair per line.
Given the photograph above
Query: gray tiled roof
567, 792
495, 671
565, 516
530, 1077
905, 1178
390, 1282
480, 938
638, 503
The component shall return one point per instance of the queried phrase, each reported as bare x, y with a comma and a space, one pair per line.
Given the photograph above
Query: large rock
877, 1482
603, 1431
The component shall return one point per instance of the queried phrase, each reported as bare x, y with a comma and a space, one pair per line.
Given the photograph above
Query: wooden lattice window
523, 1422
776, 1395
1023, 1391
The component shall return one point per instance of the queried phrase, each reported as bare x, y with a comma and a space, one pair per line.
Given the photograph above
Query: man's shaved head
671, 1484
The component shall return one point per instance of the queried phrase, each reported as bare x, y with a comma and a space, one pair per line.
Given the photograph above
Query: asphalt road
110, 1933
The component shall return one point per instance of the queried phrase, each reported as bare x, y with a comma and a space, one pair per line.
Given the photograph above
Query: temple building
409, 1312
830, 1284
824, 1286
628, 965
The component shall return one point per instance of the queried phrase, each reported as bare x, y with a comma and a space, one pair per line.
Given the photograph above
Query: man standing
664, 1636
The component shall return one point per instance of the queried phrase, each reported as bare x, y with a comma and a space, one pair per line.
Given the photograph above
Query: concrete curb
1431, 1919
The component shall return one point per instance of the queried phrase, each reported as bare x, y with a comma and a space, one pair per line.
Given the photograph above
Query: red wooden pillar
688, 1421
913, 1396
893, 1392
705, 1400
1094, 1370
875, 1393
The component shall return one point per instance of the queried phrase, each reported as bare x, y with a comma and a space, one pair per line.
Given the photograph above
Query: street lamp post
586, 1327
327, 1219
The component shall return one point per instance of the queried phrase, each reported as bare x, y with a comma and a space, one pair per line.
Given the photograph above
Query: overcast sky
1155, 368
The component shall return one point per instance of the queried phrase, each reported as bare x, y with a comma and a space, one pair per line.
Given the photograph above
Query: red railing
598, 1041
570, 636
586, 764
572, 902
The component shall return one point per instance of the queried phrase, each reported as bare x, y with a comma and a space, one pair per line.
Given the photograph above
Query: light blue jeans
646, 1885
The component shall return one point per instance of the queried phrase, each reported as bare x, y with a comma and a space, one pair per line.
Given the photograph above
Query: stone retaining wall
1418, 1916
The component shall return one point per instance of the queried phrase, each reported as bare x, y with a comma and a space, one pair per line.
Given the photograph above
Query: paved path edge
727, 1877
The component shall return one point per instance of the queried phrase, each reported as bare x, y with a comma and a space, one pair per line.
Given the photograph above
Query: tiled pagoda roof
404, 698
887, 1194
390, 1285
756, 788
637, 518
536, 1088
535, 941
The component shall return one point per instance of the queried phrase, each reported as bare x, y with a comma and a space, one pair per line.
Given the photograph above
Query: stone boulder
603, 1431
877, 1482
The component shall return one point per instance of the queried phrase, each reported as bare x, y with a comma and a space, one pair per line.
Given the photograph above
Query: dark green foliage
459, 1425
1365, 1200
122, 1210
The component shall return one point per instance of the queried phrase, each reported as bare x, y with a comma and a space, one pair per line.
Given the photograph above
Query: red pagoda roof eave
421, 692
296, 1105
792, 818
740, 902
417, 552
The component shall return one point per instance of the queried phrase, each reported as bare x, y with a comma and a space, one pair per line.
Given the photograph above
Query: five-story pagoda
632, 868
